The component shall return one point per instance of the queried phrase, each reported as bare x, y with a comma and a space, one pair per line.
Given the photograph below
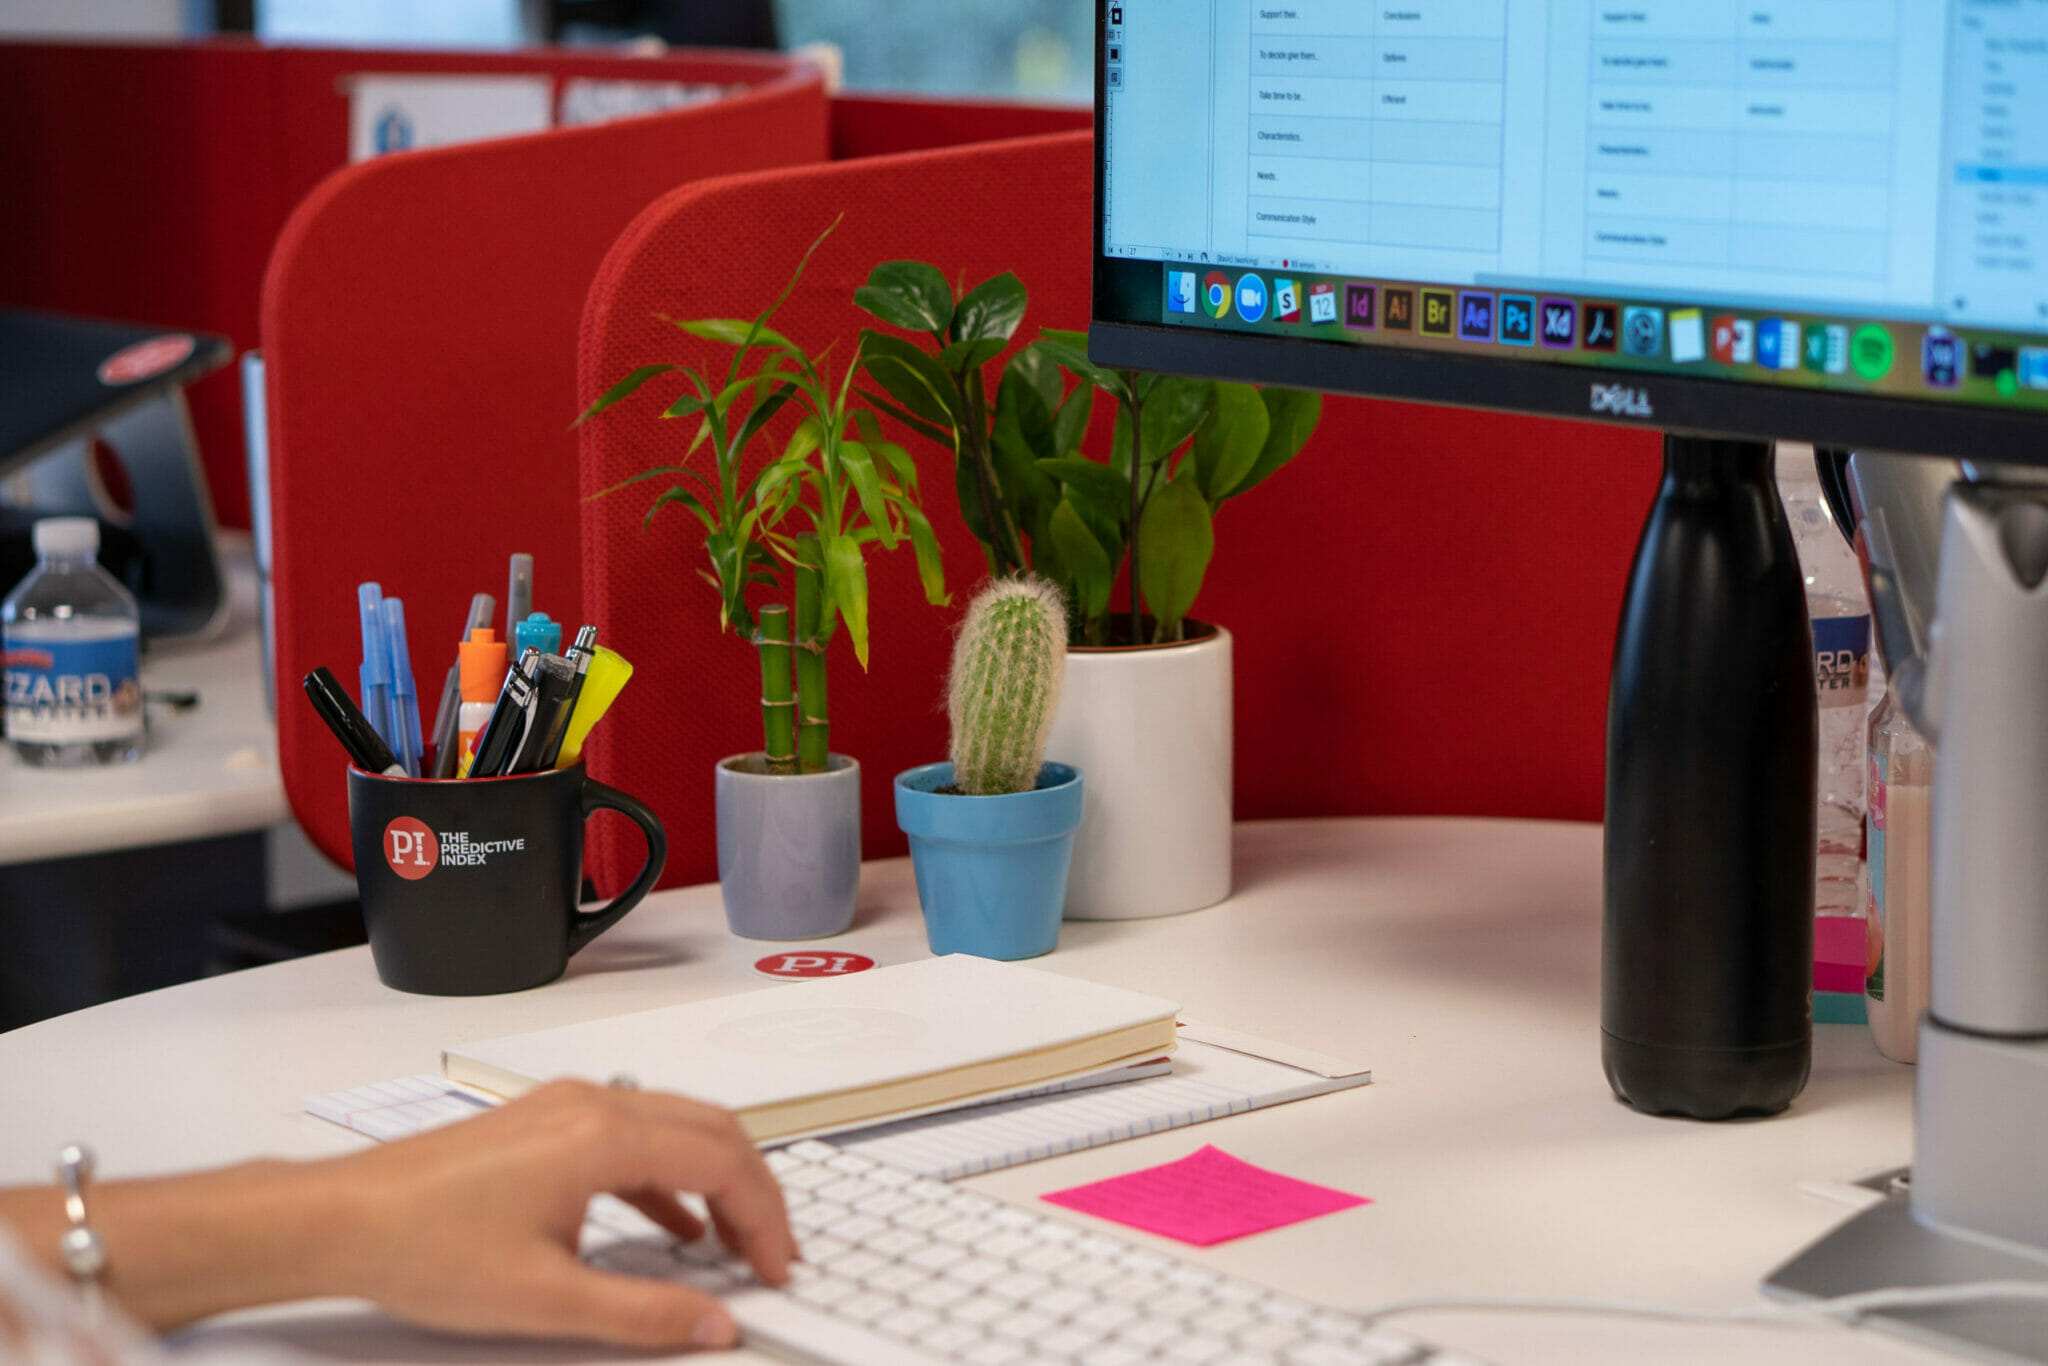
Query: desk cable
1841, 1310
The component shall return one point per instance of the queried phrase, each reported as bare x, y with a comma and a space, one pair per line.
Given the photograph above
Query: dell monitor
1734, 222
1820, 220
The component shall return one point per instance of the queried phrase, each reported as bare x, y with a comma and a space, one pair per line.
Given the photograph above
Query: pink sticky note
1207, 1197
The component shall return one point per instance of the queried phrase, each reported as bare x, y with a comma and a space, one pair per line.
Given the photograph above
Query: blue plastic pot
991, 871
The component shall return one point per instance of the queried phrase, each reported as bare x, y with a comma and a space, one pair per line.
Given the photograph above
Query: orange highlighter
482, 660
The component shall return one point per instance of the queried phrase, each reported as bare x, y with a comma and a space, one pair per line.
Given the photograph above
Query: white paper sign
401, 113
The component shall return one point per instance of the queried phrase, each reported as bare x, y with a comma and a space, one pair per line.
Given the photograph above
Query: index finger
699, 1147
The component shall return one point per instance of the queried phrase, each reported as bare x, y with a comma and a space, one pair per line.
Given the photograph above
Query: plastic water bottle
1840, 612
71, 632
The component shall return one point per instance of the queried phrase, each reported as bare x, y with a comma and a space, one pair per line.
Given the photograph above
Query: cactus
1005, 685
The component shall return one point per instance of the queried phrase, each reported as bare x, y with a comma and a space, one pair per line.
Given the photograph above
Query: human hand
473, 1227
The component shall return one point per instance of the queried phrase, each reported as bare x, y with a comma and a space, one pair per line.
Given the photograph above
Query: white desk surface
1458, 958
208, 771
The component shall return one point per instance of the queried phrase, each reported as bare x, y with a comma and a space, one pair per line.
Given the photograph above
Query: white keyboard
899, 1270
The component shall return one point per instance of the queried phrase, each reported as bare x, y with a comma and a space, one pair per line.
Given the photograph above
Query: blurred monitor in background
401, 23
1028, 49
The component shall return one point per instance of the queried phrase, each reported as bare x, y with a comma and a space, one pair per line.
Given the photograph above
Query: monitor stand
1976, 1204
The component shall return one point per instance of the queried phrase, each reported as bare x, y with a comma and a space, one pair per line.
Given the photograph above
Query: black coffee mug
469, 887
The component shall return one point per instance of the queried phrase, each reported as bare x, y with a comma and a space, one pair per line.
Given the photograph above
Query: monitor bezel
1659, 401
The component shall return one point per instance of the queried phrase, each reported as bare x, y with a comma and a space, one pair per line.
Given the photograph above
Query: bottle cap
482, 659
538, 633
67, 536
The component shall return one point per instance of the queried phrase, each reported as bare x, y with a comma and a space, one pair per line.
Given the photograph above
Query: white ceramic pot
1150, 728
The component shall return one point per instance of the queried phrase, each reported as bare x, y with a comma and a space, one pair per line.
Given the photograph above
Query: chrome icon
1216, 294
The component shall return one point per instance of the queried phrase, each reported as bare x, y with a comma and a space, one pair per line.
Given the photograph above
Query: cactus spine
1005, 685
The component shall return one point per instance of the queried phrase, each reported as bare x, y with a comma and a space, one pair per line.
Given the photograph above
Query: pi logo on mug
411, 848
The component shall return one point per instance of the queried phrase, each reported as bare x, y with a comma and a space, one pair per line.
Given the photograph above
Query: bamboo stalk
813, 721
778, 707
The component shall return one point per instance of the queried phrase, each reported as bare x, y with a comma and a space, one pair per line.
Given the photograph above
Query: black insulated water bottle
1712, 734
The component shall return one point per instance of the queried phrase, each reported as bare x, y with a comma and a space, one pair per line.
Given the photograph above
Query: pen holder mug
469, 887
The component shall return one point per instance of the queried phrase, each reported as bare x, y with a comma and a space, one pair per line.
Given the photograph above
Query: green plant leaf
991, 310
758, 417
678, 494
1070, 423
1089, 573
1292, 416
1175, 540
1228, 447
686, 406
623, 388
1171, 412
911, 295
963, 356
1041, 372
967, 492
911, 377
1070, 350
846, 575
1099, 482
860, 468
924, 544
1023, 437
936, 435
733, 331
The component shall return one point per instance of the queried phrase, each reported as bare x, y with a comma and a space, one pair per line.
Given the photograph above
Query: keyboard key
938, 1294
1224, 1318
924, 1188
936, 1257
816, 1215
1176, 1304
846, 1190
883, 1203
1112, 1355
979, 1310
895, 1178
1067, 1341
1268, 1336
1087, 1271
823, 1247
1020, 1286
1064, 1301
1237, 1292
1025, 1325
979, 1206
1328, 1354
966, 1232
912, 1324
994, 1352
1053, 1231
809, 1178
851, 1164
1137, 1259
1195, 1351
811, 1150
866, 1307
1013, 1218
951, 1339
923, 1216
858, 1264
855, 1228
896, 1279
1044, 1257
1107, 1316
895, 1242
1135, 1289
782, 1162
1006, 1245
824, 1290
1150, 1332
977, 1271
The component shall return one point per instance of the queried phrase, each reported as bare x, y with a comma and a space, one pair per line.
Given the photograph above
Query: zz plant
1180, 448
800, 522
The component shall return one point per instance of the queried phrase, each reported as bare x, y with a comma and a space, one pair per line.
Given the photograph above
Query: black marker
365, 749
509, 719
578, 658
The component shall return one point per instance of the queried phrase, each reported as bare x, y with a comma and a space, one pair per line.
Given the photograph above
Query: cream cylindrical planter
1151, 727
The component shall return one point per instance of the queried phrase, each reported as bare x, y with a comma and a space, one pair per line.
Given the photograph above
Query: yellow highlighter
601, 686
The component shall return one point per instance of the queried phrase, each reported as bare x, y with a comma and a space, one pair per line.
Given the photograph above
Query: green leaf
1089, 573
936, 435
685, 406
733, 331
1292, 415
1070, 423
1229, 446
991, 310
1073, 355
1099, 482
768, 484
963, 356
1041, 372
1175, 541
1171, 413
1023, 437
898, 462
911, 377
678, 494
763, 410
860, 467
623, 388
924, 543
967, 492
908, 294
847, 579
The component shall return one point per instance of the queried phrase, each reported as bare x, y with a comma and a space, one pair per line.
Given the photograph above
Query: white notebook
1215, 1073
820, 1056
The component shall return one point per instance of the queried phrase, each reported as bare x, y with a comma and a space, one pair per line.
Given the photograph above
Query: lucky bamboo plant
1180, 448
805, 517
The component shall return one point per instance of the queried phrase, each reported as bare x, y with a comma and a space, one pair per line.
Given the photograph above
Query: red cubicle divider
148, 181
419, 332
1424, 603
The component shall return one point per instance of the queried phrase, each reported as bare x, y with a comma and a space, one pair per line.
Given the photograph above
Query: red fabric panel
419, 321
879, 125
147, 182
1424, 603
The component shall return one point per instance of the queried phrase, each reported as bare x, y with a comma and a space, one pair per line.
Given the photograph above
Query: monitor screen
1815, 218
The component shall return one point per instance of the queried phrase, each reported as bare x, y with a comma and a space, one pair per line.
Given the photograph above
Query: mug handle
588, 925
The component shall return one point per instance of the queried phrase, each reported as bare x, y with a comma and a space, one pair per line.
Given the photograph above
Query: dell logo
1622, 401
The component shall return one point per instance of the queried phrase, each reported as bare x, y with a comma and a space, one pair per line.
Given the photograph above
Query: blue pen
405, 703
376, 675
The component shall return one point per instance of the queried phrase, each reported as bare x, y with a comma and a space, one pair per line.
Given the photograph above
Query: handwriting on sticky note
1207, 1197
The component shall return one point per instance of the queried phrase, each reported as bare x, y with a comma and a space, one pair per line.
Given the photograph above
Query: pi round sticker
411, 848
146, 359
798, 966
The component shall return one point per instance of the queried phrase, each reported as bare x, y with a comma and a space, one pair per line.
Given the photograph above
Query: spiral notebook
1215, 1072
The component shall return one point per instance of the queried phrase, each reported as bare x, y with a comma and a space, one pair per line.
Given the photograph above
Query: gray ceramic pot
788, 848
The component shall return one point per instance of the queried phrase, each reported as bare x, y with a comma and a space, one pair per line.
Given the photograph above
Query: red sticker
411, 848
146, 359
790, 966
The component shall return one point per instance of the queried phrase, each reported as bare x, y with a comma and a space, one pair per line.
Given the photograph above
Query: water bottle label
1841, 660
62, 692
1873, 924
